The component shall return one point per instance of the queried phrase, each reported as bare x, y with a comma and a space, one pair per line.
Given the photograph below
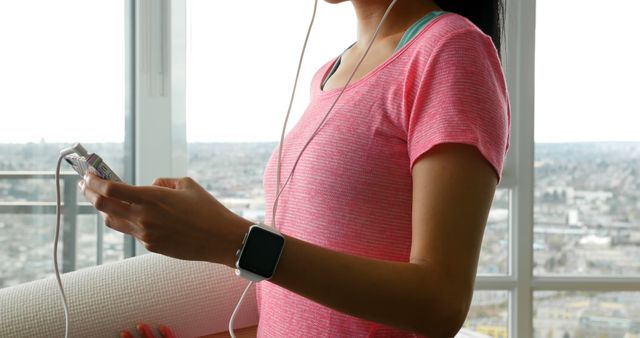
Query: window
587, 150
586, 224
564, 221
489, 313
494, 255
234, 118
586, 314
231, 137
563, 232
63, 81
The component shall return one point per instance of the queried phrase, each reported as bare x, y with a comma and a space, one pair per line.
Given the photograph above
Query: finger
166, 182
119, 224
125, 334
166, 332
186, 182
115, 190
145, 330
108, 205
174, 183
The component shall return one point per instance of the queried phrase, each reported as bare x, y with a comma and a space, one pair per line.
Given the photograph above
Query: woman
384, 217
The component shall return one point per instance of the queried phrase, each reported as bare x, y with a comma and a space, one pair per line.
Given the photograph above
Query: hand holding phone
83, 162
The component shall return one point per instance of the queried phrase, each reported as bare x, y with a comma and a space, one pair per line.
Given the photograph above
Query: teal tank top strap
417, 27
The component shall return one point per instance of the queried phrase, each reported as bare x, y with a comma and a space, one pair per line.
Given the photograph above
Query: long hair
488, 15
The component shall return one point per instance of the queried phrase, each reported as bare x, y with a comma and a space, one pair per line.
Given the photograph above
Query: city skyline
585, 224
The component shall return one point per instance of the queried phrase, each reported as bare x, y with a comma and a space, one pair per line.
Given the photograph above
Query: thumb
166, 182
186, 183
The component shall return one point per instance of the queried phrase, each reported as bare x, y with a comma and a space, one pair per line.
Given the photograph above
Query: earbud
79, 149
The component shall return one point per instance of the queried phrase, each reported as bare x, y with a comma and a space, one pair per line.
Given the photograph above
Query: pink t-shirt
352, 190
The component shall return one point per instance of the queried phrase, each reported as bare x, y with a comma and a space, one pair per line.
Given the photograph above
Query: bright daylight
479, 176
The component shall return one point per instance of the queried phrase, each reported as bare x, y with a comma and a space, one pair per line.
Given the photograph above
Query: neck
403, 14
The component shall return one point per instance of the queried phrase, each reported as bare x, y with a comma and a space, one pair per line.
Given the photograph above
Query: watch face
261, 252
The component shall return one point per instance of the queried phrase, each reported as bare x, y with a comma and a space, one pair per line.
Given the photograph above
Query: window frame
159, 109
519, 66
129, 123
159, 82
69, 193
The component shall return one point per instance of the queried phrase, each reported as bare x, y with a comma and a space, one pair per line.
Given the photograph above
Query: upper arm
453, 187
457, 136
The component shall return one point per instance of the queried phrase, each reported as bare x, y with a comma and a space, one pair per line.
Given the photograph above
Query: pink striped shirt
352, 190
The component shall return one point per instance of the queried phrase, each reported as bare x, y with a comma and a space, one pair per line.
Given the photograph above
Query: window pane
63, 81
587, 153
580, 314
489, 313
26, 248
87, 242
239, 88
494, 257
234, 124
232, 172
231, 137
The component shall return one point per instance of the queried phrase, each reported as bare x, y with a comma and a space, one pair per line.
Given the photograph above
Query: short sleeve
461, 97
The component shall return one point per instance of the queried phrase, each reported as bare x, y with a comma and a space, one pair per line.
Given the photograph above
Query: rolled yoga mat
193, 298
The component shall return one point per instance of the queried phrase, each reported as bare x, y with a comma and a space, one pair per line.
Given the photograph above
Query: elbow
439, 302
453, 321
443, 319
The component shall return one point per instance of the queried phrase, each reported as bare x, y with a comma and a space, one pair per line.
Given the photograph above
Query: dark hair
488, 15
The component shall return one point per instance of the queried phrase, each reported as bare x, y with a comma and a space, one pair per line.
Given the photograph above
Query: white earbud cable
284, 127
55, 241
293, 93
295, 165
235, 310
278, 189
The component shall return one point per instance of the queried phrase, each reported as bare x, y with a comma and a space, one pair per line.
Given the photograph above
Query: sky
587, 71
62, 68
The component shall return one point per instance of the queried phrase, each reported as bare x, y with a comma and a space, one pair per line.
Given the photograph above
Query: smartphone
91, 163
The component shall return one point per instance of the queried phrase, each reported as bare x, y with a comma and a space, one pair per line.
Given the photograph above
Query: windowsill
247, 332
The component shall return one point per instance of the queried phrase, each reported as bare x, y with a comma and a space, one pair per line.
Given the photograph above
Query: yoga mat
193, 298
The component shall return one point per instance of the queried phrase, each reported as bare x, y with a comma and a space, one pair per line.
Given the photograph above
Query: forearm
416, 297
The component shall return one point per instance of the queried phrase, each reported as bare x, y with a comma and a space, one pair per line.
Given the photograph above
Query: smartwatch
260, 252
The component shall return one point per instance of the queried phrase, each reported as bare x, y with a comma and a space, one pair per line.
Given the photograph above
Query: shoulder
452, 22
451, 31
453, 48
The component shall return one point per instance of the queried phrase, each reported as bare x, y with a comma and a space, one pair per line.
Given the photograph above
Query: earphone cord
55, 247
235, 311
286, 119
295, 165
313, 16
278, 189
284, 127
